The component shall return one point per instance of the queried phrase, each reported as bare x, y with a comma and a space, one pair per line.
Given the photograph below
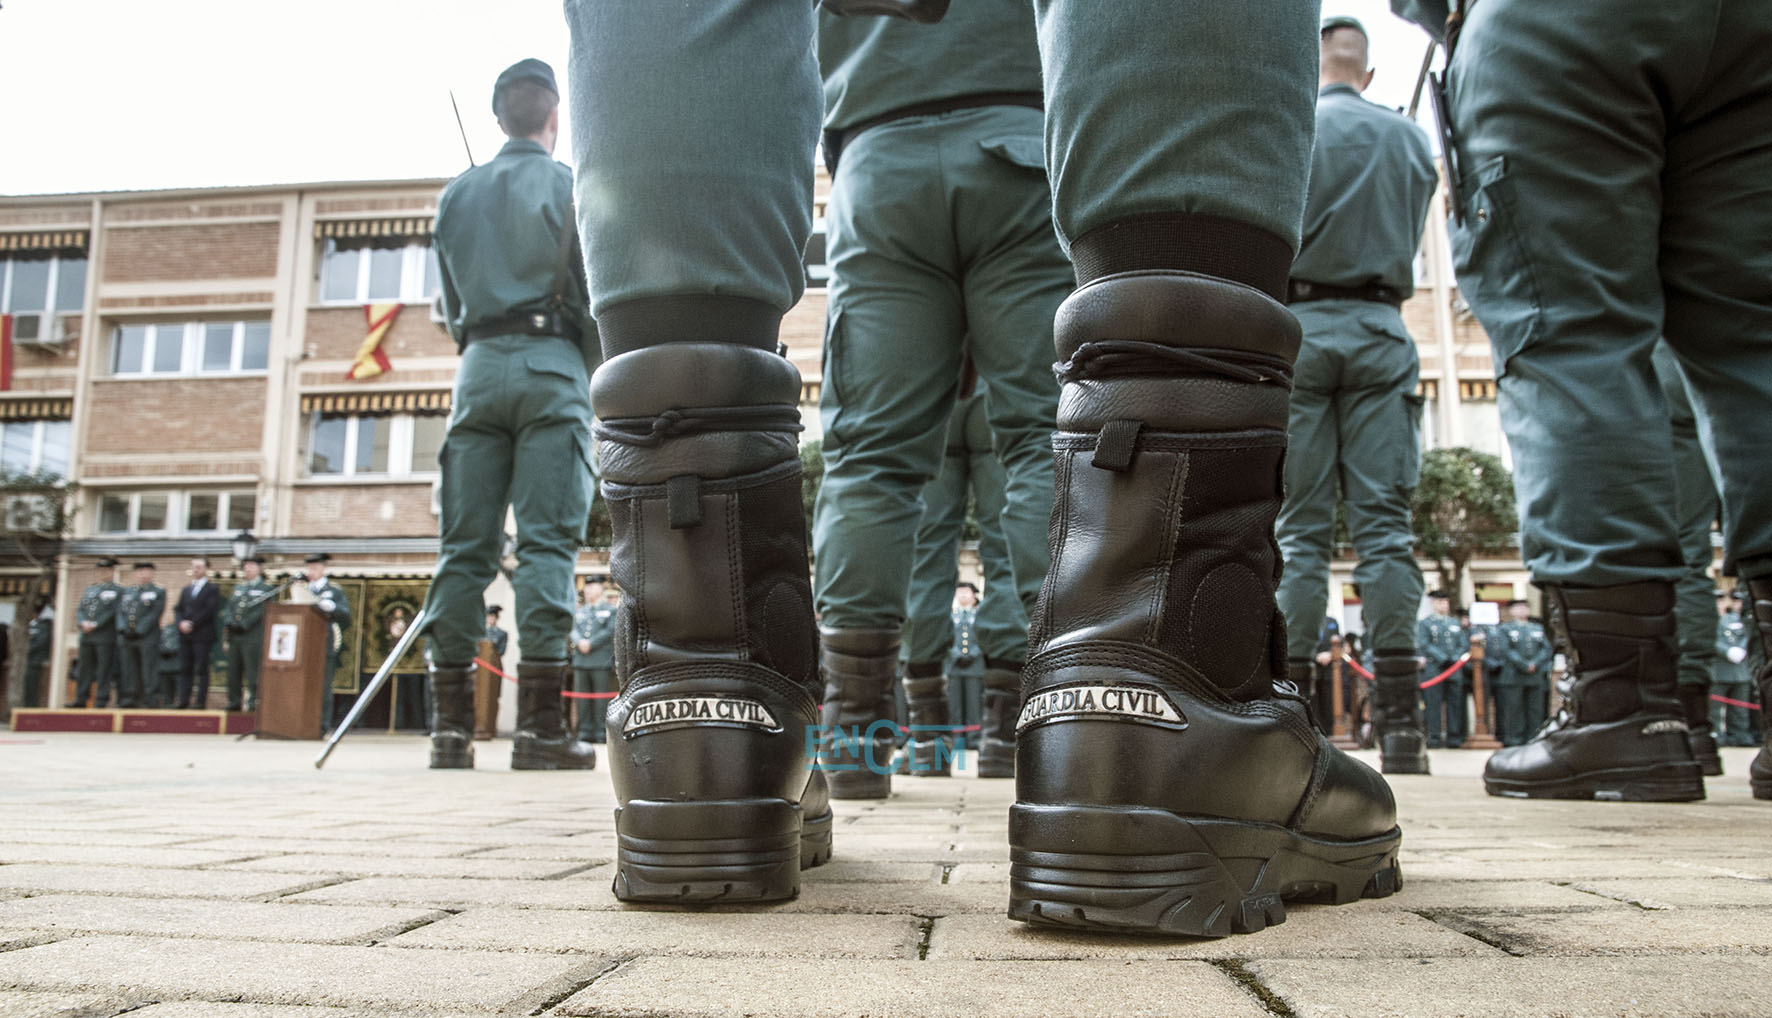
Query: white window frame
54, 285
190, 363
400, 435
414, 258
178, 510
224, 501
39, 437
820, 280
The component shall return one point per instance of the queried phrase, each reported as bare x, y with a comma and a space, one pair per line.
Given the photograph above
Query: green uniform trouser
1354, 423
694, 127
1614, 191
98, 667
519, 435
34, 666
1520, 705
940, 242
1001, 626
1731, 724
1695, 509
245, 652
592, 712
139, 661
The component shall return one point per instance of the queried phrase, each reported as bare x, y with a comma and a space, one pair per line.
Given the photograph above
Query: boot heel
449, 753
815, 841
731, 850
860, 784
1128, 869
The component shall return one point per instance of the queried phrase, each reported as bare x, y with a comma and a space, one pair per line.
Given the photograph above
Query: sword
1427, 61
459, 127
381, 679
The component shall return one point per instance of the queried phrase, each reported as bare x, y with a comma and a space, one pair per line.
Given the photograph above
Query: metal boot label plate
678, 711
1117, 702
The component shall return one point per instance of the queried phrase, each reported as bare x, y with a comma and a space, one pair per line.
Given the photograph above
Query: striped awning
1428, 388
431, 401
344, 229
17, 586
44, 240
1476, 390
41, 408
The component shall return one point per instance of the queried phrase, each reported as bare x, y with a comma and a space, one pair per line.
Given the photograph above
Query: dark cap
1439, 593
493, 609
318, 556
1519, 600
528, 69
1329, 25
602, 578
260, 559
144, 565
105, 563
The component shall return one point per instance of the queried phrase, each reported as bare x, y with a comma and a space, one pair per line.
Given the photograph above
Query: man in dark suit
195, 612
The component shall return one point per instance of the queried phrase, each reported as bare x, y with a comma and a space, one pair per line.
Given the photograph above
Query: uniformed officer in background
514, 300
243, 623
138, 640
1605, 197
1731, 678
940, 245
39, 639
96, 618
334, 606
1442, 641
499, 637
1522, 691
593, 658
950, 635
1355, 413
1177, 143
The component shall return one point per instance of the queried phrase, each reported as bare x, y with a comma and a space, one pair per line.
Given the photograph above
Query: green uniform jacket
139, 610
966, 657
1440, 640
980, 47
40, 637
1372, 179
98, 605
494, 264
169, 647
338, 616
500, 639
1524, 646
1731, 635
596, 623
244, 611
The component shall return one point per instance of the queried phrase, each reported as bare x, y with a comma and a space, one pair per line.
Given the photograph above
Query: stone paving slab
699, 934
328, 846
118, 855
183, 917
213, 1009
692, 988
46, 877
1682, 892
17, 1004
587, 848
284, 973
445, 893
1523, 987
475, 868
1633, 932
1349, 931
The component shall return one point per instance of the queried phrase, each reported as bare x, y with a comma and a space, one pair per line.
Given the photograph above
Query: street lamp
244, 545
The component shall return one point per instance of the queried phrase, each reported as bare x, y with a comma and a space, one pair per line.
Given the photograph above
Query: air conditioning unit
32, 513
44, 329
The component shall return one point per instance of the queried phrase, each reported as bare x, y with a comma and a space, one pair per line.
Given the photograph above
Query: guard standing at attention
243, 623
593, 658
519, 433
1442, 642
96, 618
39, 638
941, 250
138, 640
1607, 175
499, 637
1732, 679
1155, 638
1355, 414
330, 600
1522, 689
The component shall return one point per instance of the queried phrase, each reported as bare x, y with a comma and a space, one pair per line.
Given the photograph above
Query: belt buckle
538, 321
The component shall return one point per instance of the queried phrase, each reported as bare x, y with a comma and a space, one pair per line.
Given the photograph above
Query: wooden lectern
292, 677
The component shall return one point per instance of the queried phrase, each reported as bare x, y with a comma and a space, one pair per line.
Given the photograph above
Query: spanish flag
371, 361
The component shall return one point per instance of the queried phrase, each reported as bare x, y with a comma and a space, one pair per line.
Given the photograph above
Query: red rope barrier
1355, 665
567, 693
1734, 703
1436, 680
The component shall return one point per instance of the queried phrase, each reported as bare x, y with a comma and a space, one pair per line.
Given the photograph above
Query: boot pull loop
683, 501
1117, 445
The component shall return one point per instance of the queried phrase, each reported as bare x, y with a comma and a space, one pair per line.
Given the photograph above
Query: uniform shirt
596, 623
497, 238
500, 639
338, 615
873, 65
40, 635
965, 639
98, 605
138, 610
1441, 640
1524, 645
1372, 178
1731, 635
245, 608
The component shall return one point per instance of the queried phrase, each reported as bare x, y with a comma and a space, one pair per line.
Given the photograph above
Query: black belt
1300, 290
835, 140
529, 323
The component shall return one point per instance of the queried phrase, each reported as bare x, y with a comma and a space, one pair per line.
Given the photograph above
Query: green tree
1464, 507
811, 476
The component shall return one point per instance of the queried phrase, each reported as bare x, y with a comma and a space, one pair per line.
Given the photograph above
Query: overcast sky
114, 95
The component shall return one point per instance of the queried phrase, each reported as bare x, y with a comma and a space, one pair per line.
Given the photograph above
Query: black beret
527, 69
493, 609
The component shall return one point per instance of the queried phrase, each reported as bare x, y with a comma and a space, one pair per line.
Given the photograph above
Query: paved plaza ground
200, 877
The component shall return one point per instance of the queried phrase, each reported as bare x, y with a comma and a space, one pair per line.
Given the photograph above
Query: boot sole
735, 850
1404, 764
1151, 871
1762, 789
1671, 782
860, 784
452, 761
546, 764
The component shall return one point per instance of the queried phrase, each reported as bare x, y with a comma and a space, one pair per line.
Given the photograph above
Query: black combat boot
1759, 772
1396, 712
1620, 734
1695, 705
452, 717
1302, 673
541, 742
1168, 778
930, 750
860, 727
1002, 707
716, 657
